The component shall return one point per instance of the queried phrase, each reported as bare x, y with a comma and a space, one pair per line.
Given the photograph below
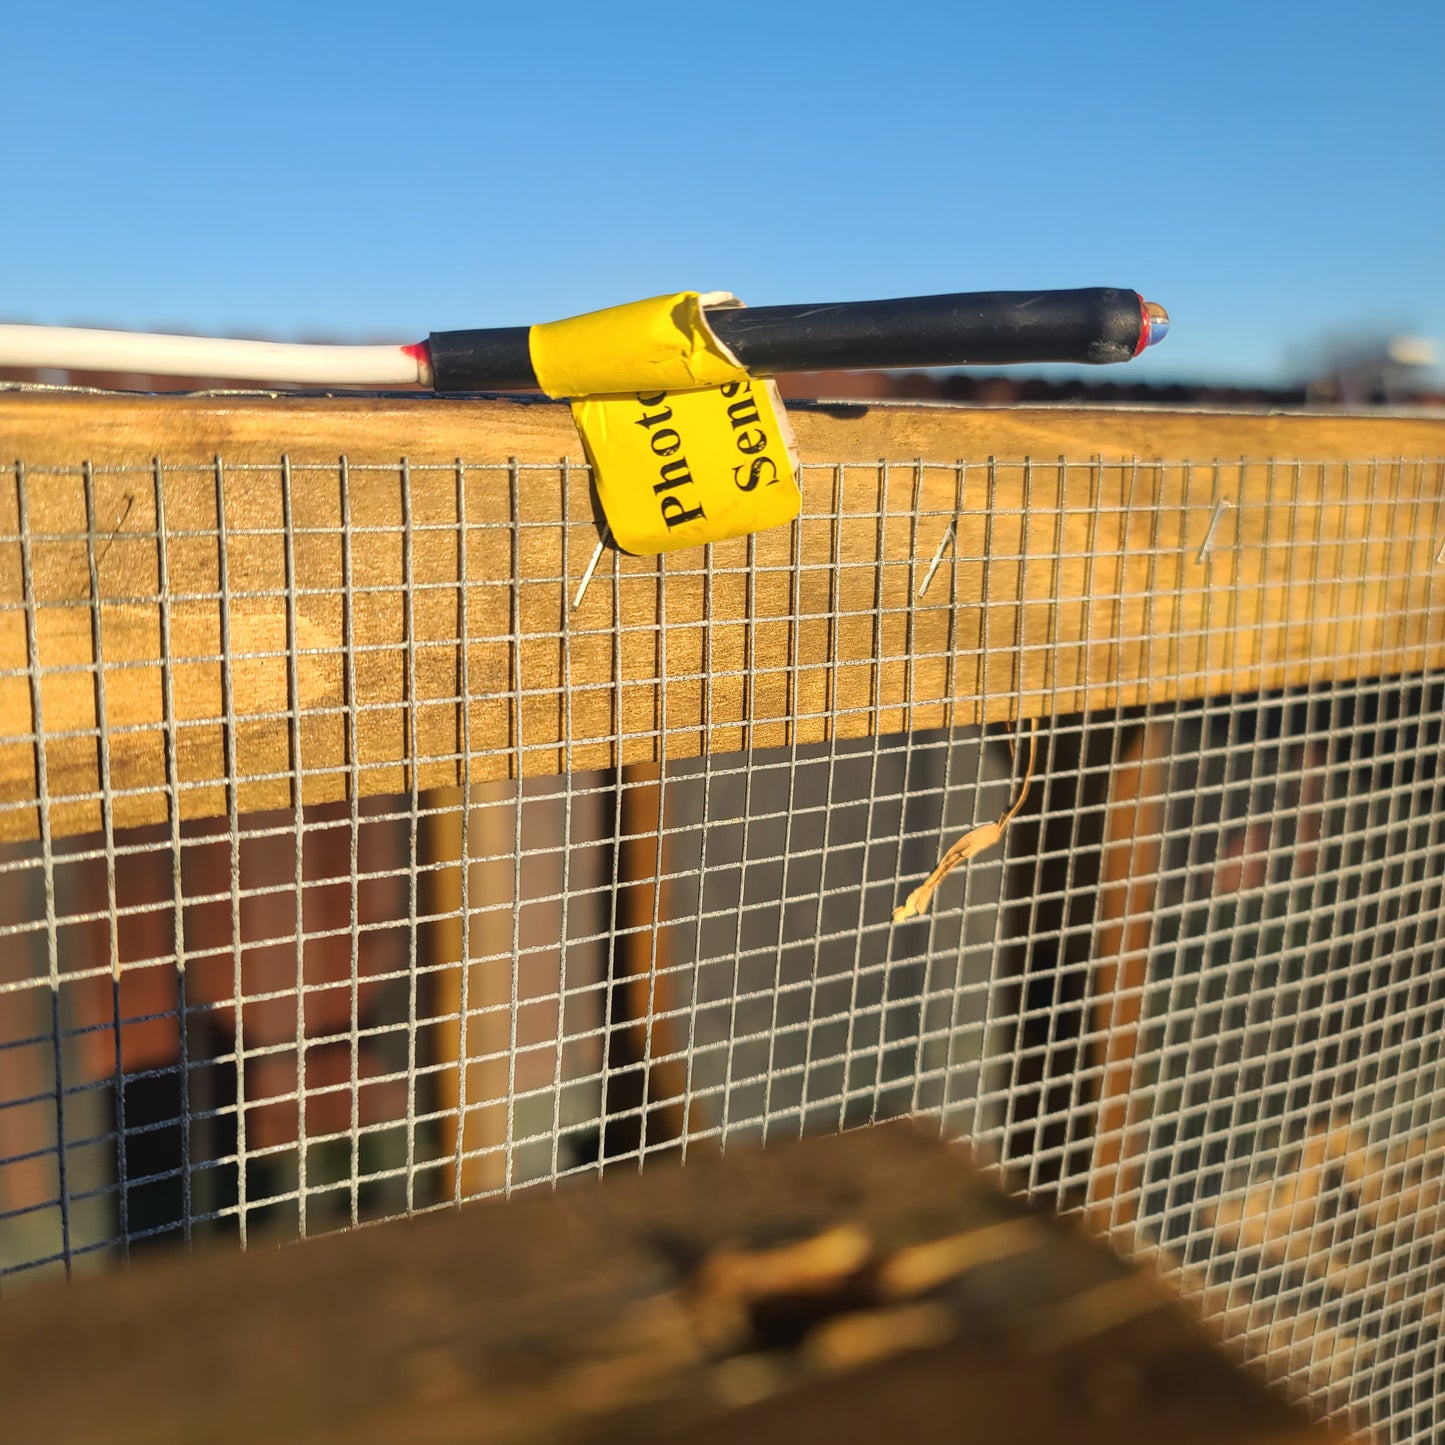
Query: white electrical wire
74, 348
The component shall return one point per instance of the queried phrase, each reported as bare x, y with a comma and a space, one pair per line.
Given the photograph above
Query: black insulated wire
1091, 326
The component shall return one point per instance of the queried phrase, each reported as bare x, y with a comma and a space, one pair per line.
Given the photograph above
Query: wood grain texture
365, 547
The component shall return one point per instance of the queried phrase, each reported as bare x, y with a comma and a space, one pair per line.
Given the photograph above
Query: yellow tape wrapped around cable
686, 447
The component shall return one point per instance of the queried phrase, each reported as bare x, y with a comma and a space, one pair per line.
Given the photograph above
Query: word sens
679, 497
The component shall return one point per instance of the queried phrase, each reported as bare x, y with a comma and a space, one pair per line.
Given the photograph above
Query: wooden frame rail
284, 596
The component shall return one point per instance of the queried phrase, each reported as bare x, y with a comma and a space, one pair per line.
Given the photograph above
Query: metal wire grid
252, 1022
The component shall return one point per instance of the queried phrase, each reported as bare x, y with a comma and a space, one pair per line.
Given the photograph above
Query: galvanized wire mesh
1196, 989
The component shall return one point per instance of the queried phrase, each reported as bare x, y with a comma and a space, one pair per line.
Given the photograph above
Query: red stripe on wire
1145, 325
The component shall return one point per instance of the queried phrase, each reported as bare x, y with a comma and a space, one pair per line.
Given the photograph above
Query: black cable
1093, 326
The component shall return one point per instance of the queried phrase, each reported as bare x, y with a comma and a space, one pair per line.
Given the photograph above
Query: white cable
74, 348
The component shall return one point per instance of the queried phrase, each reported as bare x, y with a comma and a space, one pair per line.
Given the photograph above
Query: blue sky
1271, 172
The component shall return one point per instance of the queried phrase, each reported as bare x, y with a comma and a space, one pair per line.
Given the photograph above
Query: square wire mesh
1196, 990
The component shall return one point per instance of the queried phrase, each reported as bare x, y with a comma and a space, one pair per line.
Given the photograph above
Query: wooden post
1128, 879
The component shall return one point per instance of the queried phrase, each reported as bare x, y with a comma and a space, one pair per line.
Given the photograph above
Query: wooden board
296, 595
848, 1289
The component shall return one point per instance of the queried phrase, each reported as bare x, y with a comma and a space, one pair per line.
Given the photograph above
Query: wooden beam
1128, 886
840, 1289
217, 535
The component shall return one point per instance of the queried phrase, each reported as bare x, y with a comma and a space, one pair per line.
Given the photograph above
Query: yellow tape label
682, 468
661, 344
